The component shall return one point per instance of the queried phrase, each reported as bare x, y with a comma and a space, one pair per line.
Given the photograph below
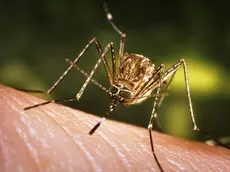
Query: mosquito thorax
120, 92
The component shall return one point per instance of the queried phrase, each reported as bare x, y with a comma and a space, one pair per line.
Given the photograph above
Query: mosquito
132, 77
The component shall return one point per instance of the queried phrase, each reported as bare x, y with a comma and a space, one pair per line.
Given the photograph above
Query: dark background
37, 36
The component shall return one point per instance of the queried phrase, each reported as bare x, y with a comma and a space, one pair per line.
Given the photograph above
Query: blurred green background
37, 36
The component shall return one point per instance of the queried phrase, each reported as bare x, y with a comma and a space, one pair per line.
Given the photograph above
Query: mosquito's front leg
87, 75
89, 78
102, 58
115, 65
56, 83
79, 94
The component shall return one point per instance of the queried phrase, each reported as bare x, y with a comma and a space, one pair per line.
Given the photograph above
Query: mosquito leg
99, 49
195, 127
150, 127
173, 70
87, 75
31, 91
161, 99
51, 101
79, 94
102, 58
123, 35
69, 99
154, 116
98, 46
158, 100
224, 141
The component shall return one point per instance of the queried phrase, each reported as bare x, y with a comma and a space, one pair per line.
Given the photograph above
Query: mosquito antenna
123, 35
110, 18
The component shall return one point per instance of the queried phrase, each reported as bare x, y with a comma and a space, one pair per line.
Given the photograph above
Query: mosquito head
120, 93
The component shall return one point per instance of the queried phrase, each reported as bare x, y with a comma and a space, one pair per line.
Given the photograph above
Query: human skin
55, 138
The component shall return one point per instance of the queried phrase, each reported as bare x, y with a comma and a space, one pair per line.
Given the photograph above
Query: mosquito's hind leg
174, 69
223, 141
160, 101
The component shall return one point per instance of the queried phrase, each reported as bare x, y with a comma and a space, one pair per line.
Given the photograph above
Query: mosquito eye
125, 94
114, 90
